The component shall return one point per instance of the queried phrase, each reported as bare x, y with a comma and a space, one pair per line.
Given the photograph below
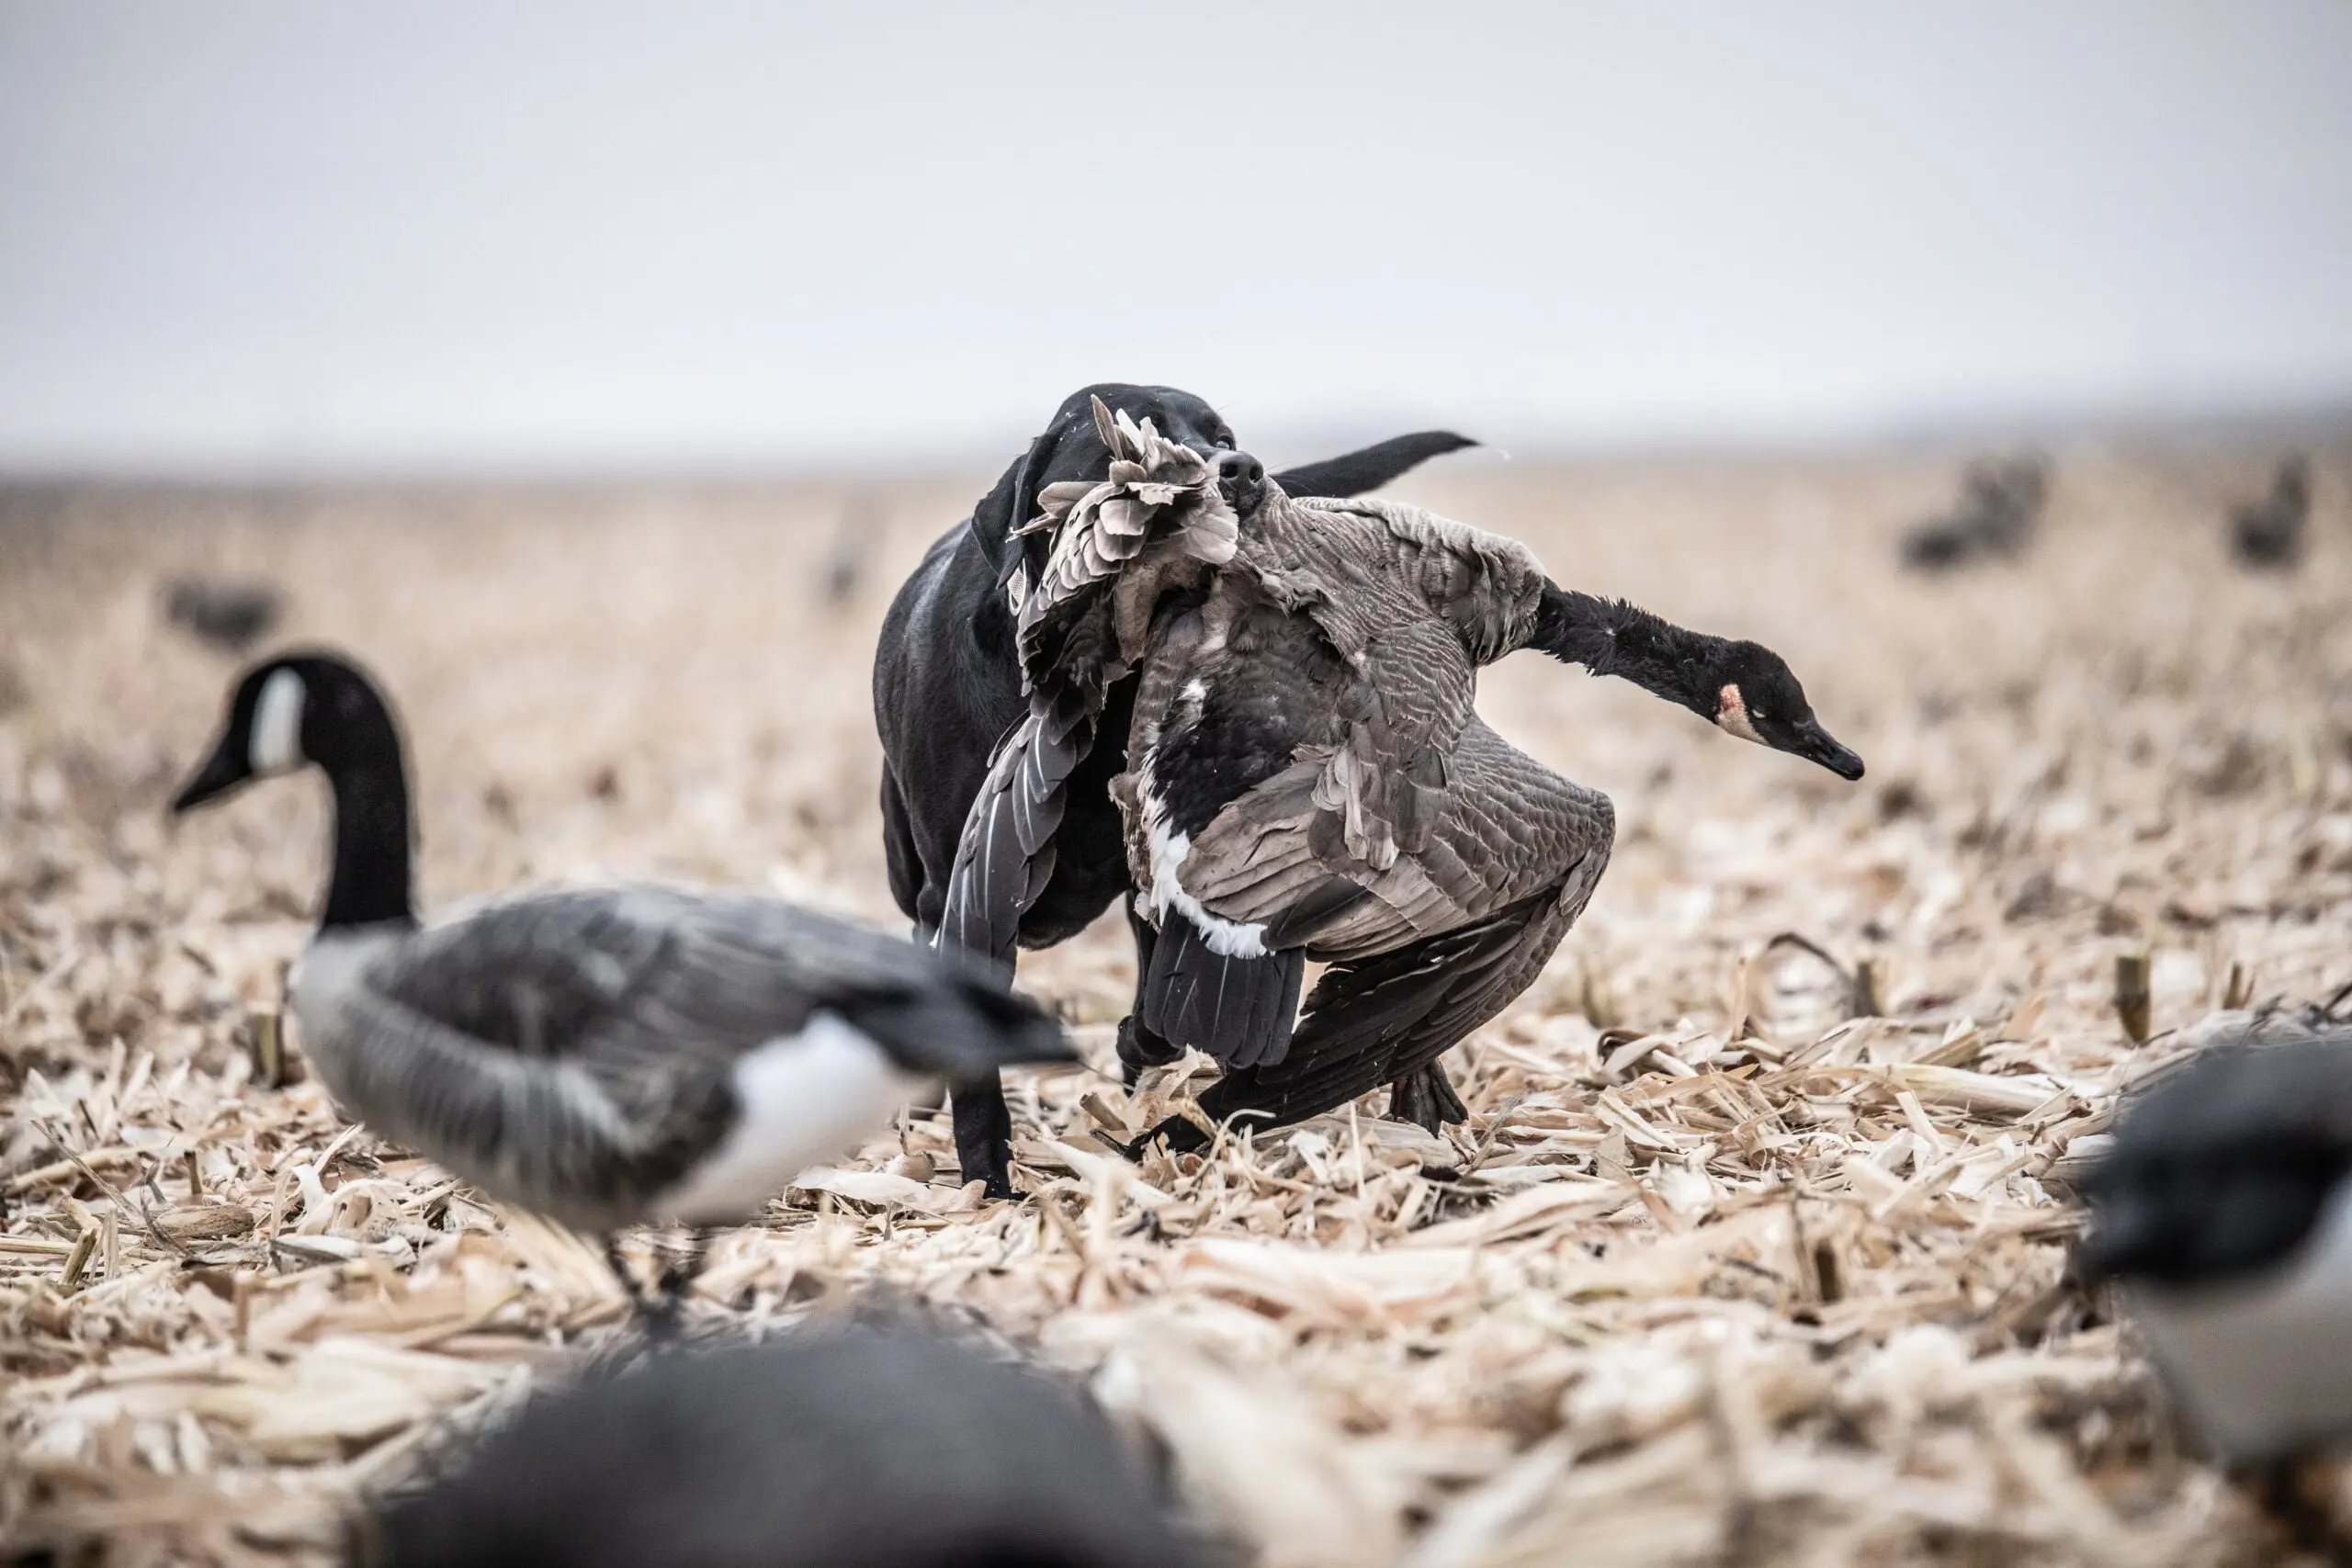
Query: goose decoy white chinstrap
1311, 781
2223, 1208
605, 1056
819, 1449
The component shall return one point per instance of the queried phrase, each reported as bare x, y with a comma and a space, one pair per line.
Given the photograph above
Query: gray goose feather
1311, 781
1154, 522
606, 1057
611, 1055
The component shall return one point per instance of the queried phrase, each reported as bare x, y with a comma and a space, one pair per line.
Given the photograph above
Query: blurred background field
596, 376
1797, 1294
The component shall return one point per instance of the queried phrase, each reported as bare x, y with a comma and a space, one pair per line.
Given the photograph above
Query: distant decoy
948, 684
231, 617
2224, 1212
817, 1450
605, 1056
1999, 508
2269, 535
1310, 781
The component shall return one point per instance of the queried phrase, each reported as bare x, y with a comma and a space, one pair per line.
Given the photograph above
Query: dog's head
1069, 449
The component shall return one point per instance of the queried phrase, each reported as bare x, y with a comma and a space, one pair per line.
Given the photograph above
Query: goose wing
1486, 586
1371, 1021
575, 1051
1509, 827
611, 978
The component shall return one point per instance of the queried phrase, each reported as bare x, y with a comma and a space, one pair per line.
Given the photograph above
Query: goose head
285, 714
1748, 691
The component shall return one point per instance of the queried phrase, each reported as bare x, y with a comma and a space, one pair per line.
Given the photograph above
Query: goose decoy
2269, 535
605, 1056
948, 685
2000, 506
2223, 1210
231, 617
1311, 782
848, 1448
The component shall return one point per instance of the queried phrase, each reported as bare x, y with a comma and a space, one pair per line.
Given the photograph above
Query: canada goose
949, 686
1310, 781
2223, 1210
2269, 533
2000, 506
231, 617
852, 1449
609, 1055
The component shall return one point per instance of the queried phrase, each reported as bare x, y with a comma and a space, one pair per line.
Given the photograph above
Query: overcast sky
247, 237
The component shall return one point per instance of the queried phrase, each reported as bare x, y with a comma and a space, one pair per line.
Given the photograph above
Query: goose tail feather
1238, 1008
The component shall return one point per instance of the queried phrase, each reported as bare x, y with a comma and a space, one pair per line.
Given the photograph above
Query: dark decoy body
949, 686
842, 1449
2269, 533
231, 617
605, 1056
1310, 779
2224, 1211
1999, 509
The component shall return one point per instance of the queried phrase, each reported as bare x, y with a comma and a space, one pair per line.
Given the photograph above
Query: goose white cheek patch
1731, 715
277, 723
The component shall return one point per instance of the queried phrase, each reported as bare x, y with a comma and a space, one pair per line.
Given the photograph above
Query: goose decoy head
1751, 693
285, 712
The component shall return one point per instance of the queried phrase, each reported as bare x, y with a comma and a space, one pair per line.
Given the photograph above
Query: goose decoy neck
1743, 688
321, 709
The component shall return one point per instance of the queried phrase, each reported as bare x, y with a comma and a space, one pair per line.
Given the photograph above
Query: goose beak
1815, 745
222, 771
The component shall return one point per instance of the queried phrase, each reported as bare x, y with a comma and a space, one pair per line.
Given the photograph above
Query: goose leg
679, 1271
642, 1305
1426, 1097
983, 1134
1141, 1047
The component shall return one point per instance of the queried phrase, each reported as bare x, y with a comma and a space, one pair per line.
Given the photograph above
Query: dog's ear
1012, 504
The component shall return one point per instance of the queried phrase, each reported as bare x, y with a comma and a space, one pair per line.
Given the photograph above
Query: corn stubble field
1717, 1273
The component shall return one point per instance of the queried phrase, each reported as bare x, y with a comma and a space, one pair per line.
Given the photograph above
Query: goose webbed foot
661, 1307
1425, 1096
1183, 1135
1140, 1048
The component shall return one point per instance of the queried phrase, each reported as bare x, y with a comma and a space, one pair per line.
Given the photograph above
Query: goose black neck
1610, 637
372, 880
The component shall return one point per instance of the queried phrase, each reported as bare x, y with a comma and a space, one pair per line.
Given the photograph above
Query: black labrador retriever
947, 685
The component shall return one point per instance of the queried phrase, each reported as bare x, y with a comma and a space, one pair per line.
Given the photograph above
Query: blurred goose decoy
2223, 1210
1308, 780
850, 1449
2269, 535
231, 617
605, 1056
1999, 508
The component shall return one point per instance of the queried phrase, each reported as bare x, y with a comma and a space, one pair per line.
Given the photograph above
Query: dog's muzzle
1241, 480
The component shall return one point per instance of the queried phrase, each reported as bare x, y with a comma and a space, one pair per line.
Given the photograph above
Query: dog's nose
1238, 471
